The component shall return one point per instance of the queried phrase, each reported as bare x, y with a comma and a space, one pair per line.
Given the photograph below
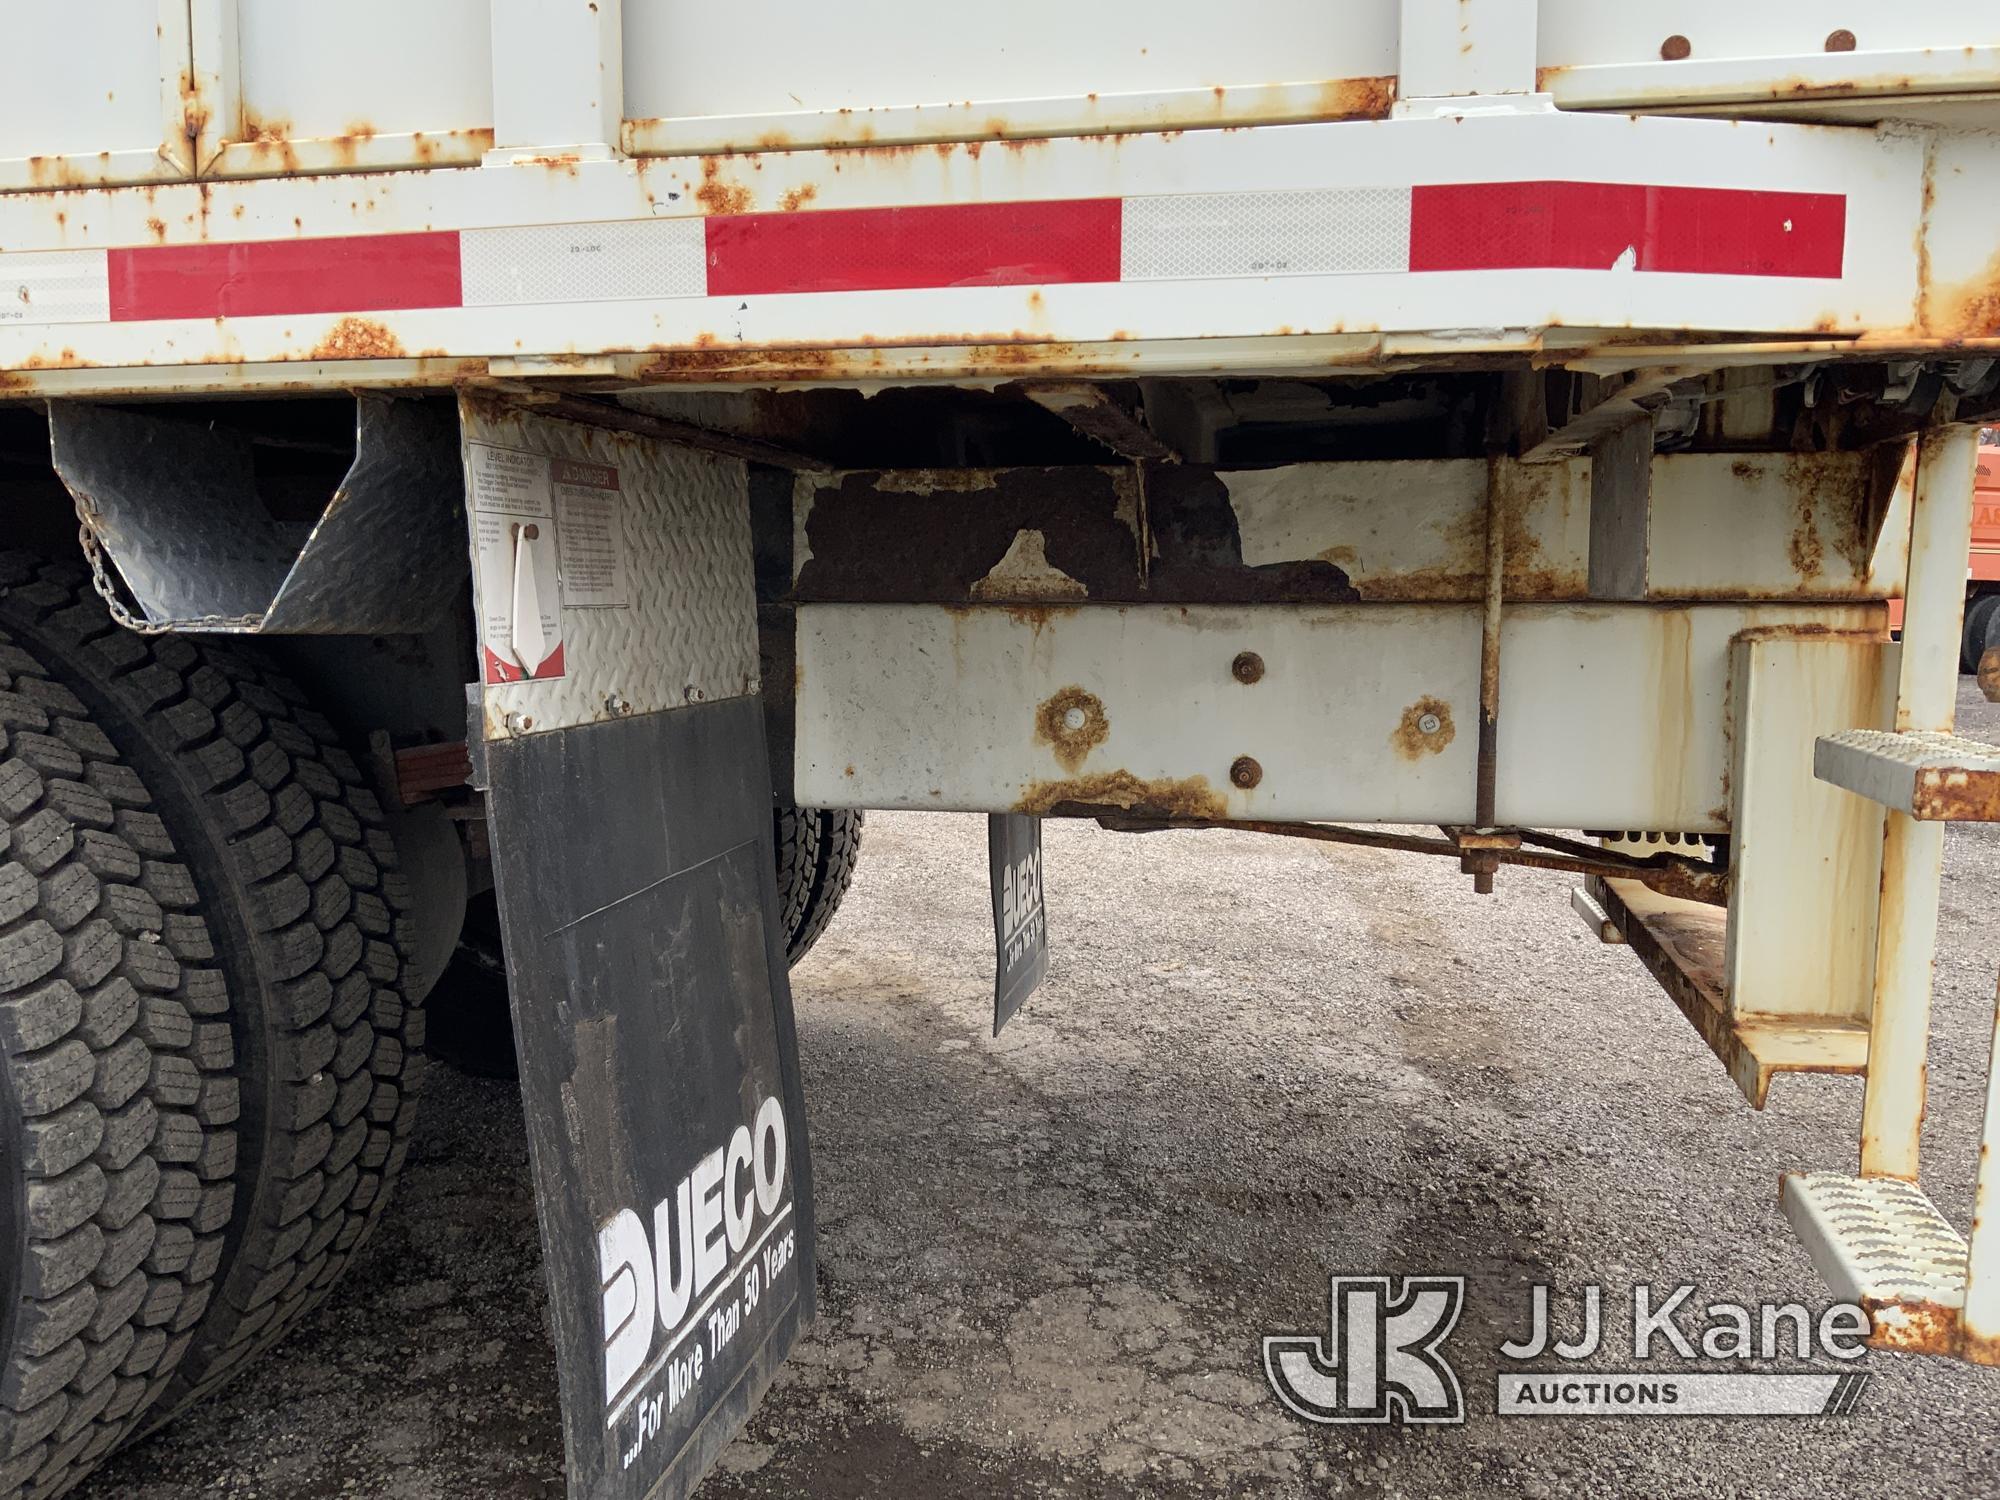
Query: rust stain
1920, 1327
1162, 797
1357, 98
1412, 740
797, 198
717, 196
1967, 310
747, 364
157, 228
1036, 616
358, 338
1803, 546
1941, 794
1072, 722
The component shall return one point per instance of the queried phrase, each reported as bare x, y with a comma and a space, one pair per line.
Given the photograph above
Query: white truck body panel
534, 140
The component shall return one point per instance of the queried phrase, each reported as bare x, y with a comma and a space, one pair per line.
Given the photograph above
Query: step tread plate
1930, 776
1881, 1242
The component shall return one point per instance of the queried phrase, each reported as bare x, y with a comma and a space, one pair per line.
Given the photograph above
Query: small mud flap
629, 799
1020, 929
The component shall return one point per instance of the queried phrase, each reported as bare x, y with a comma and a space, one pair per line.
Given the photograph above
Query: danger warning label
548, 535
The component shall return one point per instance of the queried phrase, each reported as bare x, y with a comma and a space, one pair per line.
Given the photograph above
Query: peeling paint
1121, 791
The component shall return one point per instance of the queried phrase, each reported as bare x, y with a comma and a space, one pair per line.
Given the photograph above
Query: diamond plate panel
605, 262
1342, 231
687, 632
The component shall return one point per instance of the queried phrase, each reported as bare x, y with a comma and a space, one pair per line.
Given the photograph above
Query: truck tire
817, 851
1976, 631
309, 916
117, 1102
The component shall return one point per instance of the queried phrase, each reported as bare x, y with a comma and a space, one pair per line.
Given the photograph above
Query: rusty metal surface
1712, 526
1185, 533
1092, 412
174, 507
1685, 878
1931, 777
1284, 322
423, 771
1881, 1243
1681, 943
1614, 716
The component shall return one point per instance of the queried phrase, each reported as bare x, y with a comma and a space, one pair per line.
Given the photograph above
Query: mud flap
1020, 928
636, 882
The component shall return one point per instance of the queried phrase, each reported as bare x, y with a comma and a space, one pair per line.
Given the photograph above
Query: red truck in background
1982, 565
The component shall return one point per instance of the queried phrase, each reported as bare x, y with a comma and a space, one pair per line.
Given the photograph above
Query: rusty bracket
1669, 874
1091, 412
624, 419
1481, 838
422, 772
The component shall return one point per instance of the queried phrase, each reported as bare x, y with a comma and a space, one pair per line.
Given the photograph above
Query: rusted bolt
1245, 772
1675, 47
1429, 723
1840, 41
1248, 667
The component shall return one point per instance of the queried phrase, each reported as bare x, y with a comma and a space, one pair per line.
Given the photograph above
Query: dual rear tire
208, 1061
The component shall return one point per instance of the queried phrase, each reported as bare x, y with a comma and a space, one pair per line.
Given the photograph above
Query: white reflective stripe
54, 286
603, 262
1332, 232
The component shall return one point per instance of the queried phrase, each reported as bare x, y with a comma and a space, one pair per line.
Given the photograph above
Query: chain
100, 579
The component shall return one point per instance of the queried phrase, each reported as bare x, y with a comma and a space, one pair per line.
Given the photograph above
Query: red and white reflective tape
1455, 227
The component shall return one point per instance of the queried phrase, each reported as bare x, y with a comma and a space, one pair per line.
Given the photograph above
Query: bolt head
1073, 718
1245, 772
1247, 668
1429, 723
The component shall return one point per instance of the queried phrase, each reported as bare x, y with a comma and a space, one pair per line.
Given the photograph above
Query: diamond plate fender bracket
638, 903
612, 572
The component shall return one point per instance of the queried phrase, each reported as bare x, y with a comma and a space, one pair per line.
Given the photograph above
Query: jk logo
1380, 1362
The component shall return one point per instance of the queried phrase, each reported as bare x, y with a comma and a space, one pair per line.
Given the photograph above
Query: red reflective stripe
357, 273
879, 249
1492, 226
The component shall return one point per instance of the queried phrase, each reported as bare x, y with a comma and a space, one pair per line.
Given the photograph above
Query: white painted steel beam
1892, 1111
1611, 716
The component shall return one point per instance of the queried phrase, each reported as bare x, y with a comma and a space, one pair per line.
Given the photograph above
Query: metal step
1931, 777
1880, 1242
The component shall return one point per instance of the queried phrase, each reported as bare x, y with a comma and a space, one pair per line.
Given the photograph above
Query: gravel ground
1046, 1260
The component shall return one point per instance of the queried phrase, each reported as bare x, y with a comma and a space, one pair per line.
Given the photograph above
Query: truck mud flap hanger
629, 796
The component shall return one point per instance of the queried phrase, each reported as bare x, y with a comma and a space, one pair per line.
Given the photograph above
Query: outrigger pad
659, 1073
